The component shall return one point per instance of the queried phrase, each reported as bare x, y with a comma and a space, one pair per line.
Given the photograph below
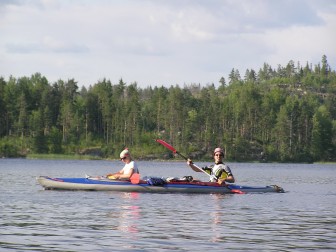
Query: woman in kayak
220, 171
128, 170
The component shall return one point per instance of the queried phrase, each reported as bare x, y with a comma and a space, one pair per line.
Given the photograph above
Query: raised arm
192, 166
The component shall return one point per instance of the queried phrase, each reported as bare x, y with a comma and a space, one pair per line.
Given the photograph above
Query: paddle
168, 146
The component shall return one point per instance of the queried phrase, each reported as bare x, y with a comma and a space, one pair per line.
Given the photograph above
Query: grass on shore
63, 156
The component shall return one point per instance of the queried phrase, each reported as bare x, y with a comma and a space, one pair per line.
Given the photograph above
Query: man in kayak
128, 170
219, 172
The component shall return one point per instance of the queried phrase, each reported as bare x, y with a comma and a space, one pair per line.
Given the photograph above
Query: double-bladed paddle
168, 146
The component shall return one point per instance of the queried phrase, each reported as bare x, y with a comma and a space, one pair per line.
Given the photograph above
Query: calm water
32, 219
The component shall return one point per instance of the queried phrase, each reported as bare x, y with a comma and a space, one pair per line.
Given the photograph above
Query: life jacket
220, 171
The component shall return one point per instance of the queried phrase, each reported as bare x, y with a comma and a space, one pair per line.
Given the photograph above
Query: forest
272, 114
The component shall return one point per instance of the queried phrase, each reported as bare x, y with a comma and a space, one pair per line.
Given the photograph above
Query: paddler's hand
189, 161
213, 178
111, 176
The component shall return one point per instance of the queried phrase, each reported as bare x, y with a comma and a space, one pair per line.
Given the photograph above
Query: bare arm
192, 166
116, 175
229, 179
126, 175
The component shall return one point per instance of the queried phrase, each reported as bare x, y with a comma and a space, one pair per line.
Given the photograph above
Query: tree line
285, 114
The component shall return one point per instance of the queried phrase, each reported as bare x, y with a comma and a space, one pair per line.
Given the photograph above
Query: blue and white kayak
103, 184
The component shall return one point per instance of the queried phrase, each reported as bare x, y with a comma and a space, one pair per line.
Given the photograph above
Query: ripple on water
301, 219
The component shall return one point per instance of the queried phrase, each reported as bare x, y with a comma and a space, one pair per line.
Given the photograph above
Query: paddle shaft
168, 146
228, 186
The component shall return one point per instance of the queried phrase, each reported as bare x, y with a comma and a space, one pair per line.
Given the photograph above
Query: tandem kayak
103, 184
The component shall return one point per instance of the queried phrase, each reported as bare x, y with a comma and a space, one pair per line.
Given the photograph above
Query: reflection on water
218, 216
126, 218
36, 220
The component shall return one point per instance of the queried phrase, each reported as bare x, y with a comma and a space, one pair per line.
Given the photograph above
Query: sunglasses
123, 158
218, 155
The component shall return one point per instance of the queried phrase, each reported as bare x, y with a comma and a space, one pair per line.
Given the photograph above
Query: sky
161, 42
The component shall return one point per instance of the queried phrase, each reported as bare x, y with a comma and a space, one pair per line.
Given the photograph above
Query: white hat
124, 153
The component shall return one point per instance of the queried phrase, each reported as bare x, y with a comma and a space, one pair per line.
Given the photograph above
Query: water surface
33, 219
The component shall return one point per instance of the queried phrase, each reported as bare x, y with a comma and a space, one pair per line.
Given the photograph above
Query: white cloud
46, 45
158, 42
304, 43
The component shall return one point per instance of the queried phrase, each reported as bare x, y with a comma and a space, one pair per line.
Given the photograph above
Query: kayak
160, 186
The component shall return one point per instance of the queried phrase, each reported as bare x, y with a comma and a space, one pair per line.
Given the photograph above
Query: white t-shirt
128, 167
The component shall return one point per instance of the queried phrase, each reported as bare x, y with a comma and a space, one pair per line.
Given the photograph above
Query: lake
32, 219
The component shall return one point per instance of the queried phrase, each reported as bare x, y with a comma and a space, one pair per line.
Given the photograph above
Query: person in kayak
128, 170
220, 172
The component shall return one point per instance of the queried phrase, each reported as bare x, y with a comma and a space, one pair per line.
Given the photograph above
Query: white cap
124, 153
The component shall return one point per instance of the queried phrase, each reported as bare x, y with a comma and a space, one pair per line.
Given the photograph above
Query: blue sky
157, 42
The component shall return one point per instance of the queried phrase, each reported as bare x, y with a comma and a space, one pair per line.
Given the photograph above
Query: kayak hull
89, 184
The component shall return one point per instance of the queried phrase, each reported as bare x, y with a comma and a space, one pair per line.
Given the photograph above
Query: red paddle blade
166, 145
135, 178
237, 191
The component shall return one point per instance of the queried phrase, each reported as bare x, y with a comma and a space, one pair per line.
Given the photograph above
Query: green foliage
322, 147
8, 148
285, 114
55, 141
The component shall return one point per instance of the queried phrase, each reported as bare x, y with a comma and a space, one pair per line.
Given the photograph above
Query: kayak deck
101, 184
